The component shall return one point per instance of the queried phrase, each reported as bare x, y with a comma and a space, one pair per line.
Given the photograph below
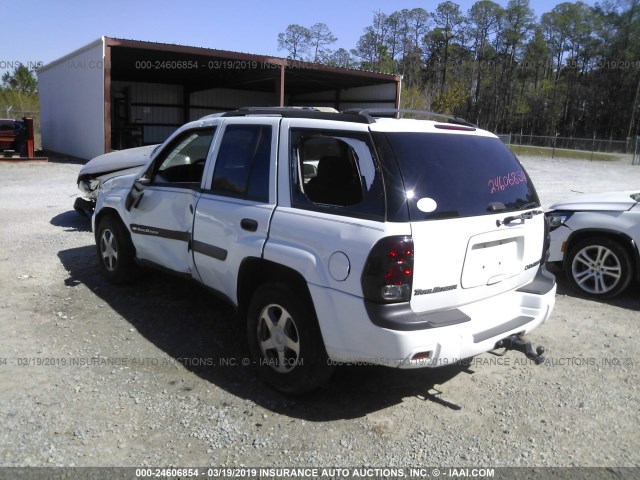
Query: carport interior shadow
187, 322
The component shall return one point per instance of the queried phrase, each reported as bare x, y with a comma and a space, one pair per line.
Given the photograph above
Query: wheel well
106, 212
255, 272
624, 240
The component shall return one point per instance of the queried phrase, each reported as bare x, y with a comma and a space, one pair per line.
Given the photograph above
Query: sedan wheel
599, 267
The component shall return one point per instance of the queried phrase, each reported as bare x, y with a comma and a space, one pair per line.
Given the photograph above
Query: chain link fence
533, 145
569, 147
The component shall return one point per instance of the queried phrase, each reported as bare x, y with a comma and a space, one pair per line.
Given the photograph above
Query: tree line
574, 72
18, 91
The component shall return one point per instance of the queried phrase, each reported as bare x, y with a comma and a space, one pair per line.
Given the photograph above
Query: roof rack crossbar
300, 112
277, 109
380, 112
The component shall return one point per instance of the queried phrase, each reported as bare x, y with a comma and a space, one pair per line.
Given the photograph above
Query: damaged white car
106, 166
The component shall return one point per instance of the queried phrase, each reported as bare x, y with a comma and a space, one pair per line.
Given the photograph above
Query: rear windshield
450, 176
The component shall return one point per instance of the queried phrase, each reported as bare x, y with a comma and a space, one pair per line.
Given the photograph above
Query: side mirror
136, 193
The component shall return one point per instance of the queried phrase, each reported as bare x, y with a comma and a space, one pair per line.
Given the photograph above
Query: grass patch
562, 153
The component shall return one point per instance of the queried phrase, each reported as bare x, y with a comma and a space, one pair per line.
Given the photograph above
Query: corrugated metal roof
113, 41
188, 46
257, 55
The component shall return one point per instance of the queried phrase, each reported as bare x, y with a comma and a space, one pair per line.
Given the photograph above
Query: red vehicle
13, 135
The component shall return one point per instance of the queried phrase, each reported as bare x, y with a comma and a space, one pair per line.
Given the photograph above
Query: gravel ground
154, 403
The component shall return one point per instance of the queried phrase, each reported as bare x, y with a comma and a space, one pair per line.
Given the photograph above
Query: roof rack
393, 112
289, 109
301, 112
356, 115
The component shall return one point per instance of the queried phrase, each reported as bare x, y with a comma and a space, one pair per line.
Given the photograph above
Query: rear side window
336, 172
450, 176
242, 165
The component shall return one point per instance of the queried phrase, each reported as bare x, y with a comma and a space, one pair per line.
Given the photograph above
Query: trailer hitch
520, 344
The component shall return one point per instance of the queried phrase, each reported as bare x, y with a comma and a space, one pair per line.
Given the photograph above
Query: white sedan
595, 239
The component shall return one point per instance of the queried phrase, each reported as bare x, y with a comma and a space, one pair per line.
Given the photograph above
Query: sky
50, 29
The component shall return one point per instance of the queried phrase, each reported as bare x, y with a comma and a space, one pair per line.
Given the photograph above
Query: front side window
450, 176
243, 163
336, 172
185, 158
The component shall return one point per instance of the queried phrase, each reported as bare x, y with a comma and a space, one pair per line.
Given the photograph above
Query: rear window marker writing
499, 184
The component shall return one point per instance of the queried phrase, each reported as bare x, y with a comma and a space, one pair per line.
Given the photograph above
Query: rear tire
599, 267
116, 253
285, 341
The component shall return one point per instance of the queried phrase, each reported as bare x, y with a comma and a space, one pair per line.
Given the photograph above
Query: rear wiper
443, 215
496, 206
528, 205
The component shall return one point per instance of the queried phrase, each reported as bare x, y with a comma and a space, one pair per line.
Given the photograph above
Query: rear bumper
399, 316
350, 334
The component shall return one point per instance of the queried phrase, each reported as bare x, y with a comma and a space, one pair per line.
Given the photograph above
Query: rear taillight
388, 273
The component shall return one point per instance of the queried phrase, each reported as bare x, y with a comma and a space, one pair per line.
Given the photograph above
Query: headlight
557, 219
83, 185
88, 186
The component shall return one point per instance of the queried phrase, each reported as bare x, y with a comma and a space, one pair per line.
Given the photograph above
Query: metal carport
141, 91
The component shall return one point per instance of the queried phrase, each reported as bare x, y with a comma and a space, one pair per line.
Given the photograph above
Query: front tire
599, 267
116, 253
285, 341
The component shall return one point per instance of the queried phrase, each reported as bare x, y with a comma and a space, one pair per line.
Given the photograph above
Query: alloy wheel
278, 338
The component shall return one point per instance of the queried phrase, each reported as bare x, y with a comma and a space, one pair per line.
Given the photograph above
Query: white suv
340, 237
